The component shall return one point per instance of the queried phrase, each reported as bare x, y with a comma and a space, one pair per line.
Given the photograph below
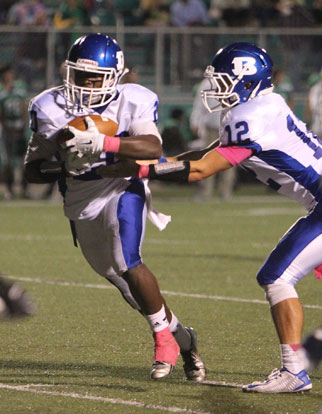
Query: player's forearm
141, 147
196, 155
43, 171
176, 171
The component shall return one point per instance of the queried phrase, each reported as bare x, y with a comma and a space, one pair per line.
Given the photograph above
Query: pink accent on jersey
295, 347
111, 144
143, 171
234, 155
166, 348
318, 272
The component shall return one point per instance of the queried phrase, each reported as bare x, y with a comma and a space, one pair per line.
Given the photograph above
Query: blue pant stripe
130, 216
294, 241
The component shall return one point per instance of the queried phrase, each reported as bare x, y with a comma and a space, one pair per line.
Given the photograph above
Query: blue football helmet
93, 56
238, 73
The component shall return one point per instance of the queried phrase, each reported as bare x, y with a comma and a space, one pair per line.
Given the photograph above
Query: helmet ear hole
248, 85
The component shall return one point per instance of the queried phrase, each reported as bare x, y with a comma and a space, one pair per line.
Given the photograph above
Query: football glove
89, 141
76, 164
14, 302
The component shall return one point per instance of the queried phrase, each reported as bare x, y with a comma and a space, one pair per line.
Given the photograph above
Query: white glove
76, 165
89, 141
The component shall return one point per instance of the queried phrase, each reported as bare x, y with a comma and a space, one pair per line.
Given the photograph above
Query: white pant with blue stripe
112, 242
297, 253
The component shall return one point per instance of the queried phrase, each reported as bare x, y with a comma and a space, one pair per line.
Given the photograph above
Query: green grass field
86, 351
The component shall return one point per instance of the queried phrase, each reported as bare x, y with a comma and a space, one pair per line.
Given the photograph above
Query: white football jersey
286, 156
85, 196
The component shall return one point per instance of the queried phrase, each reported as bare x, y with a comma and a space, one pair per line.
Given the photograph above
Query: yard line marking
39, 237
227, 298
34, 237
263, 212
26, 388
166, 292
273, 199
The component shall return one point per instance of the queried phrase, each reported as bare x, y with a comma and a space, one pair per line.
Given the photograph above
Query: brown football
104, 125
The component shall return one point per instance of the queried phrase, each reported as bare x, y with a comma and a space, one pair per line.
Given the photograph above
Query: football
104, 125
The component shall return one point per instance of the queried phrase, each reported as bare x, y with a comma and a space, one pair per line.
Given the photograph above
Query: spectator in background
31, 53
70, 13
13, 119
4, 9
155, 12
264, 11
205, 126
283, 85
189, 13
291, 14
173, 136
314, 107
317, 11
27, 13
232, 12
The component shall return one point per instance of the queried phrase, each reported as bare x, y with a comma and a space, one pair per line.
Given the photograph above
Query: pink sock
318, 272
166, 347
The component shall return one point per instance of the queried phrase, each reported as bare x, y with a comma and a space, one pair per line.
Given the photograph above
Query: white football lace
273, 375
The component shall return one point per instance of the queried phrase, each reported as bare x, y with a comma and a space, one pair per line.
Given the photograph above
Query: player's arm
196, 154
40, 167
187, 171
130, 168
143, 144
140, 147
39, 155
183, 170
44, 171
209, 165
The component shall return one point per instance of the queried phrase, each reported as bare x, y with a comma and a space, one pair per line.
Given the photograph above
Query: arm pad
177, 171
43, 171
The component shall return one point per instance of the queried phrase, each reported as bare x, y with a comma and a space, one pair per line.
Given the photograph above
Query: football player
260, 133
107, 215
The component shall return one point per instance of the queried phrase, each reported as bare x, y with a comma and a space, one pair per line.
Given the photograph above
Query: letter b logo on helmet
241, 63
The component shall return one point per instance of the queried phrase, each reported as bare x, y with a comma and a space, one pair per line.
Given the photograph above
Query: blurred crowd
182, 128
254, 13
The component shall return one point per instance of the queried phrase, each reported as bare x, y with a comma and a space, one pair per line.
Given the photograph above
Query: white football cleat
280, 381
161, 370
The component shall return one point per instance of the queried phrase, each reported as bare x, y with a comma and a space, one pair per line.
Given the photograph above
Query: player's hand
14, 302
89, 141
124, 168
76, 164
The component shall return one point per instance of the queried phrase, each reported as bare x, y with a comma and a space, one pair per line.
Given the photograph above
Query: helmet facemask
221, 93
90, 97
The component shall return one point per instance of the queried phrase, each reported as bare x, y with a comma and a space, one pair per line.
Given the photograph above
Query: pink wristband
143, 171
111, 144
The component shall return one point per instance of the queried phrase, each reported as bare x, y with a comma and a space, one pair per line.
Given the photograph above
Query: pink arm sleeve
234, 155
